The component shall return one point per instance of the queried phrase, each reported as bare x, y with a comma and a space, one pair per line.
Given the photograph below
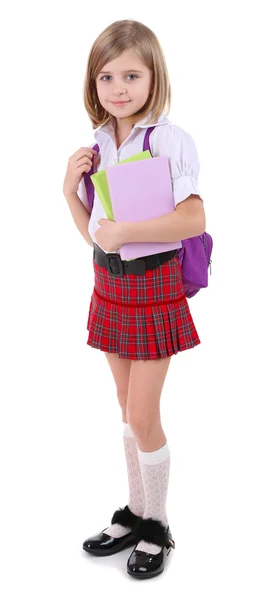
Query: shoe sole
144, 575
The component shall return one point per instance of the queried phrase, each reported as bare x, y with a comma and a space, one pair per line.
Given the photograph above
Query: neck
123, 128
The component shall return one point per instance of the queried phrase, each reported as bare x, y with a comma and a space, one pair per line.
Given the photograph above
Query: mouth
120, 103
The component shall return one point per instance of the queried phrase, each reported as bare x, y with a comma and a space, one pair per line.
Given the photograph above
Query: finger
88, 151
84, 160
83, 168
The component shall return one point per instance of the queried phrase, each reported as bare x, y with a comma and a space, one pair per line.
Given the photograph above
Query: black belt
116, 266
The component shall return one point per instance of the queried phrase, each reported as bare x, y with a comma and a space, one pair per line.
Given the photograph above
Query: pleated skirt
141, 317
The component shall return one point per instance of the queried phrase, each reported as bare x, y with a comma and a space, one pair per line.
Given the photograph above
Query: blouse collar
109, 127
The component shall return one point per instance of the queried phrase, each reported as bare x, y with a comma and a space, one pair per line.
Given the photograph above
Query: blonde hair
117, 37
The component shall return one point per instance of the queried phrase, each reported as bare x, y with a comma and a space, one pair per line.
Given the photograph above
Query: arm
80, 215
188, 220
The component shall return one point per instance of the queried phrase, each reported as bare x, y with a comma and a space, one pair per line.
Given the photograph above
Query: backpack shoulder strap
146, 139
89, 184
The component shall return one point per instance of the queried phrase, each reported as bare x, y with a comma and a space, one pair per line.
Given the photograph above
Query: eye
130, 75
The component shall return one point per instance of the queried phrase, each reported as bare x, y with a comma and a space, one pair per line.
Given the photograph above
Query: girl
138, 314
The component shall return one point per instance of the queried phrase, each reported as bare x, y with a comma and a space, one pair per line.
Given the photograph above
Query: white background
63, 470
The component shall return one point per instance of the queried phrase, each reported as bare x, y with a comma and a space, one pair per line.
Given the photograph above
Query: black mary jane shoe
143, 564
103, 544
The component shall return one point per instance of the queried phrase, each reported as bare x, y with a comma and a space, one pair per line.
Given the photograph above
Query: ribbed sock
136, 491
155, 468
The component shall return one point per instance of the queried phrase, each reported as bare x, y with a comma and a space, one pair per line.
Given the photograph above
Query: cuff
184, 186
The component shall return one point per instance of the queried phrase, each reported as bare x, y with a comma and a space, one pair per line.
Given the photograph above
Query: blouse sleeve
181, 150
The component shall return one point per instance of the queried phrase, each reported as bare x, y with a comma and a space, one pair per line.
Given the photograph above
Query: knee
141, 425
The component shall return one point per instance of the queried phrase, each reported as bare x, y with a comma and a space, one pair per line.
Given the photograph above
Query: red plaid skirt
141, 317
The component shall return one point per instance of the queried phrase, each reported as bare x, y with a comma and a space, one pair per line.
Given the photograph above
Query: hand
110, 236
79, 163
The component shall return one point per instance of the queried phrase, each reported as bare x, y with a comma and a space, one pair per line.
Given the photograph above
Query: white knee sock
155, 468
136, 491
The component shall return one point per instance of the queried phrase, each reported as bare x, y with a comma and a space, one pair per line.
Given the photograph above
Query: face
123, 86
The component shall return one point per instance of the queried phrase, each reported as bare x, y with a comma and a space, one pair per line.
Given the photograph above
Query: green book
99, 181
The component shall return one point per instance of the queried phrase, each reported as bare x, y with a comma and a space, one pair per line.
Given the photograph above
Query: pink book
140, 191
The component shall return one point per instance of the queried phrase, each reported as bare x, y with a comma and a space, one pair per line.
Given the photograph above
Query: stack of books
137, 189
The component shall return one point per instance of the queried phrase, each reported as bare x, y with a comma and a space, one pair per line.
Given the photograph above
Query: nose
118, 90
118, 93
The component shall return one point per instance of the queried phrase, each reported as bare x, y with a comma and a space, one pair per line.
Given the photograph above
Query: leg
120, 368
143, 405
121, 371
143, 414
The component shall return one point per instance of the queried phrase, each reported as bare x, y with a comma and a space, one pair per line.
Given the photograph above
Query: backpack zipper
204, 242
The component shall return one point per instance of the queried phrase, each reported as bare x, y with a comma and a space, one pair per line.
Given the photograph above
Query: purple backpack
195, 253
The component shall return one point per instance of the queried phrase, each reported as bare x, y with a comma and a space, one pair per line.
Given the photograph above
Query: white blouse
166, 139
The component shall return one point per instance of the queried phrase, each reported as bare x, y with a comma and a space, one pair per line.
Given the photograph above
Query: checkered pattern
141, 317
